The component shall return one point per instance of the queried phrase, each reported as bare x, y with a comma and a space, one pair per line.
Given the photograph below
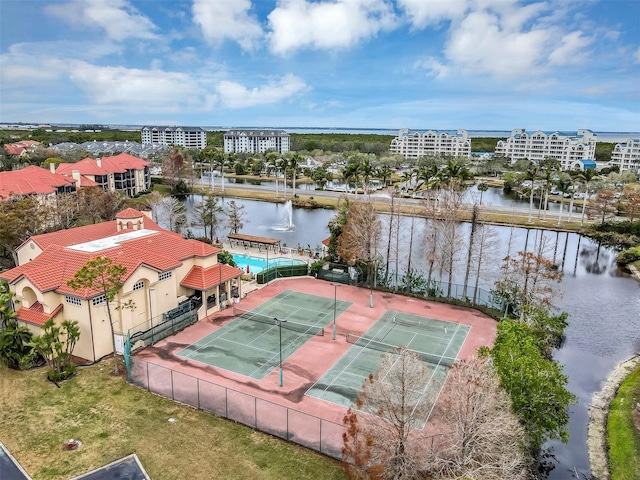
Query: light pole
280, 322
335, 302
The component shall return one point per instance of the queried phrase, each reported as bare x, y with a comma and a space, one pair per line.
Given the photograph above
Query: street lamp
335, 301
280, 322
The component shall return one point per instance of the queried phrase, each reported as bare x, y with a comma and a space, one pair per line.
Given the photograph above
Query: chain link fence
292, 425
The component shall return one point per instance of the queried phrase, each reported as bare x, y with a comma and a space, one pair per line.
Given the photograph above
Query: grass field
114, 419
624, 438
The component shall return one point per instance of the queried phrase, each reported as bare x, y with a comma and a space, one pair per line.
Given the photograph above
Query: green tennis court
250, 344
436, 342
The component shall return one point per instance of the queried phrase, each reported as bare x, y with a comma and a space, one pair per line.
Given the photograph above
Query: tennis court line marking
445, 380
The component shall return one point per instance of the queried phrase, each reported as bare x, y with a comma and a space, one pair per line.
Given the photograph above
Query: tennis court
436, 342
257, 340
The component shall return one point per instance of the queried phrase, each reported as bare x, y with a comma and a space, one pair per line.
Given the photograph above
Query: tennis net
386, 347
420, 324
286, 324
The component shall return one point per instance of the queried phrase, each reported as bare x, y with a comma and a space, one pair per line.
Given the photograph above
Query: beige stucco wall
27, 252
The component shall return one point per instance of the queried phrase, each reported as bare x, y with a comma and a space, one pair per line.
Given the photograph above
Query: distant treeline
328, 142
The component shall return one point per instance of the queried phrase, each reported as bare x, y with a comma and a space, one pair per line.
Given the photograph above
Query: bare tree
529, 278
360, 235
604, 202
153, 202
484, 438
174, 211
396, 409
451, 241
235, 217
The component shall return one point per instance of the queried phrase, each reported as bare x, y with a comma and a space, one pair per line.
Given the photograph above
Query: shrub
628, 256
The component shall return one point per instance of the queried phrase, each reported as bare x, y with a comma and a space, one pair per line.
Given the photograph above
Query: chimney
99, 162
76, 176
52, 167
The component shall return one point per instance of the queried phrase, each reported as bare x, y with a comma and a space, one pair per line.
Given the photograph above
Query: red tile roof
31, 180
122, 162
14, 149
161, 250
87, 233
130, 213
200, 278
35, 314
86, 166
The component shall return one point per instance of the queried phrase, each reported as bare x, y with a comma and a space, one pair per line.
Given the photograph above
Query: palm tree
367, 170
549, 167
586, 175
351, 173
531, 174
564, 185
384, 173
482, 187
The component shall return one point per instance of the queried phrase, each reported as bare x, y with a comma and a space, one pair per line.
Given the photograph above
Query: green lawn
114, 419
624, 439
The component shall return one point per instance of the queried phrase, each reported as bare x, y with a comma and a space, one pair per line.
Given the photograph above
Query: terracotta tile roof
14, 149
31, 180
86, 166
130, 213
87, 233
200, 278
161, 250
122, 162
87, 182
35, 314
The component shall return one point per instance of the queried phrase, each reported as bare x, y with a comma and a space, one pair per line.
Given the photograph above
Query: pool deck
261, 252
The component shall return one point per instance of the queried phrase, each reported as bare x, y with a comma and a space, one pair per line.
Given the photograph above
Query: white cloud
235, 95
483, 44
571, 50
136, 88
636, 55
117, 18
227, 19
299, 24
423, 13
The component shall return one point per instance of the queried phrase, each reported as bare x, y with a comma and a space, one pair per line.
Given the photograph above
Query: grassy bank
623, 437
306, 200
114, 419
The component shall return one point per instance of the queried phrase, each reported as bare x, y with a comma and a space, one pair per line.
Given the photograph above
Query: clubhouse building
166, 276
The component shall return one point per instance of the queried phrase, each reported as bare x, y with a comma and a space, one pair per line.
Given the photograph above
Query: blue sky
441, 64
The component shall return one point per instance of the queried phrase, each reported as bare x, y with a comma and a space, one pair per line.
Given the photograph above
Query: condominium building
167, 276
256, 141
120, 173
566, 147
188, 137
626, 156
413, 144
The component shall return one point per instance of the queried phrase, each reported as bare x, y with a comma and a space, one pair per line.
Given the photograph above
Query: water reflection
603, 302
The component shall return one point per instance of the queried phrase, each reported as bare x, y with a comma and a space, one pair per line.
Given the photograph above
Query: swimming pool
257, 264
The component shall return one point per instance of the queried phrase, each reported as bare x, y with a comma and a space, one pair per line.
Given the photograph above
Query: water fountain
287, 219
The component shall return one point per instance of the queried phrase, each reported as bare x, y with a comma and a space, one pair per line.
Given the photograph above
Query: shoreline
598, 416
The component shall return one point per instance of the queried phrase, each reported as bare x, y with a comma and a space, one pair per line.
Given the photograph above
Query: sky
382, 64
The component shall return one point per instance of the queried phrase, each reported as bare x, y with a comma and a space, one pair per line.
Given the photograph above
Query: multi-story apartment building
166, 275
566, 147
626, 156
256, 141
122, 173
188, 137
413, 144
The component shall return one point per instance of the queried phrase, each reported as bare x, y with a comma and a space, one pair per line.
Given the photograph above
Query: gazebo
241, 239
